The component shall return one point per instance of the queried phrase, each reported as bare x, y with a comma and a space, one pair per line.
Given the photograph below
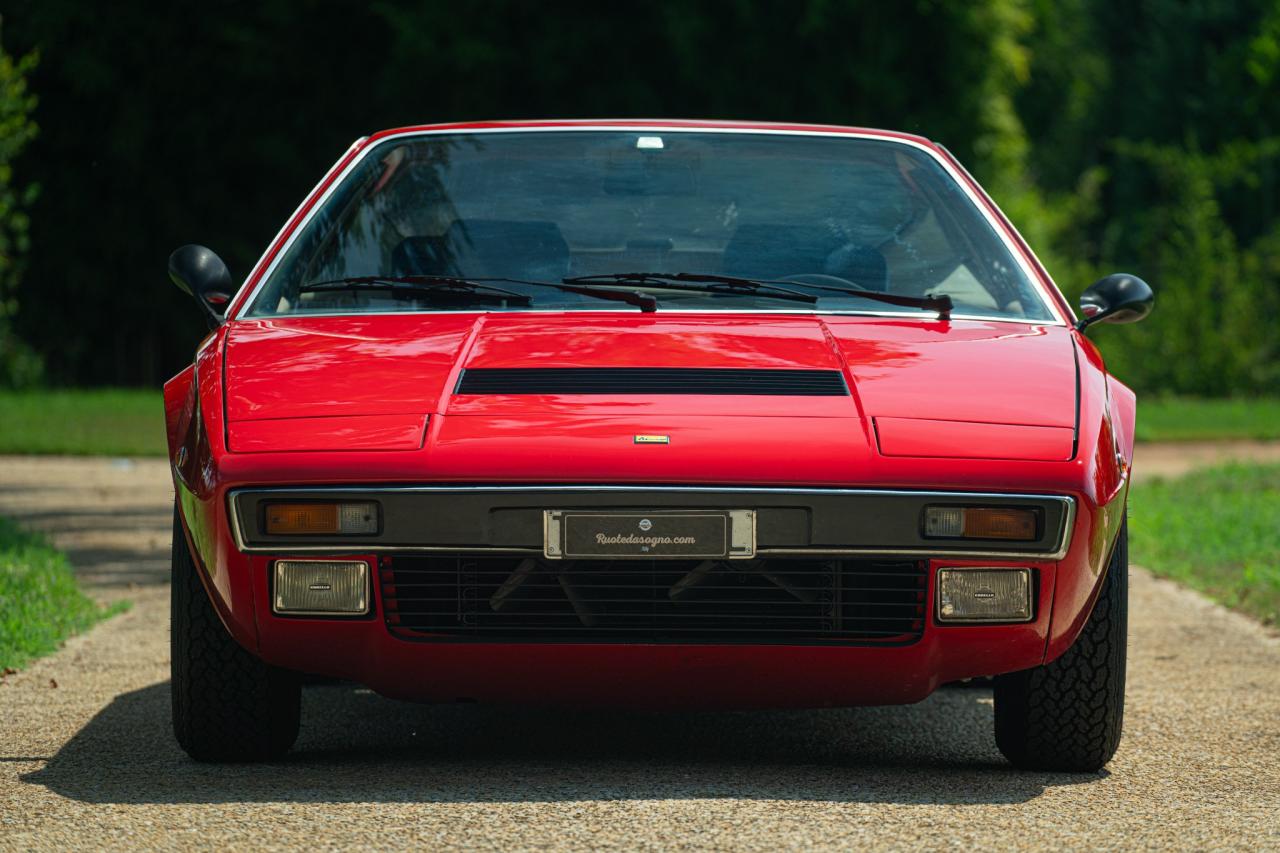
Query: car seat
487, 248
774, 251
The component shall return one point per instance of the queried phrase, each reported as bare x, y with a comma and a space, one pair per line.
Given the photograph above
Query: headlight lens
984, 595
321, 587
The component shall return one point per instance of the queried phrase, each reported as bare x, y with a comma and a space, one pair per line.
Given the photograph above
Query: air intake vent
526, 599
653, 380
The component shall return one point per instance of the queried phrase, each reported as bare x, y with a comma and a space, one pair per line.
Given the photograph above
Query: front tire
1067, 715
227, 704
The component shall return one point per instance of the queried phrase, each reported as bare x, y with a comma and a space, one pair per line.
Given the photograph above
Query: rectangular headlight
321, 587
973, 522
300, 519
984, 595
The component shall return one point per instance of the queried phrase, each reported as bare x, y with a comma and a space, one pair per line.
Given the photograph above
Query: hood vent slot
653, 380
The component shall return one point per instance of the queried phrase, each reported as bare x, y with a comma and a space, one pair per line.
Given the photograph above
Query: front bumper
645, 671
646, 675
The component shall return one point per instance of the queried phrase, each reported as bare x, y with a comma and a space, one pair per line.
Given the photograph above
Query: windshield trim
626, 312
241, 304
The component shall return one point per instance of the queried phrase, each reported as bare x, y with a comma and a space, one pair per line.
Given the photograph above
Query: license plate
669, 534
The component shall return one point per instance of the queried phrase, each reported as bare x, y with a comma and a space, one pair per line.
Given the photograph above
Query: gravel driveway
87, 760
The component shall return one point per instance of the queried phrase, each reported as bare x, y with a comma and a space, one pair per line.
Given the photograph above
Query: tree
19, 365
184, 122
1155, 138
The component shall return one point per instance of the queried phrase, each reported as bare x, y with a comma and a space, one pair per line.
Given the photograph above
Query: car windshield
824, 214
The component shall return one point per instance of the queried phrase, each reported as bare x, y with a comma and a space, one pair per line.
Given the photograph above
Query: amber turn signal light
298, 519
947, 522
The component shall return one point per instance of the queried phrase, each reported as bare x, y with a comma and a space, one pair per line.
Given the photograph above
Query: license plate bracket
669, 534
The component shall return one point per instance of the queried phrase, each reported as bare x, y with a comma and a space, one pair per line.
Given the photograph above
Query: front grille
526, 599
652, 380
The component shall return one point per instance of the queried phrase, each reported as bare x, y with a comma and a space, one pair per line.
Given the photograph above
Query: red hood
408, 364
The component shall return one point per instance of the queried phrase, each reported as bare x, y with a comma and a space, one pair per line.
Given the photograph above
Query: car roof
651, 123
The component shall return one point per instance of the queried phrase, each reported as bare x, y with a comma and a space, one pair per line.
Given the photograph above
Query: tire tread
1068, 715
228, 705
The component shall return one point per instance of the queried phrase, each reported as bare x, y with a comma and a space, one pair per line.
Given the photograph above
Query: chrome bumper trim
1064, 540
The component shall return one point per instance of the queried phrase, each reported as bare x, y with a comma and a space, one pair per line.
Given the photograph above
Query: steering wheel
822, 280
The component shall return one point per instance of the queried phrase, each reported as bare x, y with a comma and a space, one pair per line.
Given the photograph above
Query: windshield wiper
478, 286
941, 303
424, 284
698, 283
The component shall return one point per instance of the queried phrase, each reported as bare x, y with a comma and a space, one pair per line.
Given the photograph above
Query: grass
40, 603
1192, 419
1215, 530
121, 422
106, 422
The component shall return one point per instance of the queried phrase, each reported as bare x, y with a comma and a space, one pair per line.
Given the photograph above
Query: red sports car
652, 414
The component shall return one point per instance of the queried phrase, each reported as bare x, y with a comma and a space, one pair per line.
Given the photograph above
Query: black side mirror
201, 274
1118, 298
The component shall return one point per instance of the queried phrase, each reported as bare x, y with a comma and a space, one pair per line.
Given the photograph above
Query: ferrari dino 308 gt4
649, 414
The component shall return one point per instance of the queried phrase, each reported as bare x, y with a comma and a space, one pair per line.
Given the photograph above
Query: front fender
197, 440
1104, 453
